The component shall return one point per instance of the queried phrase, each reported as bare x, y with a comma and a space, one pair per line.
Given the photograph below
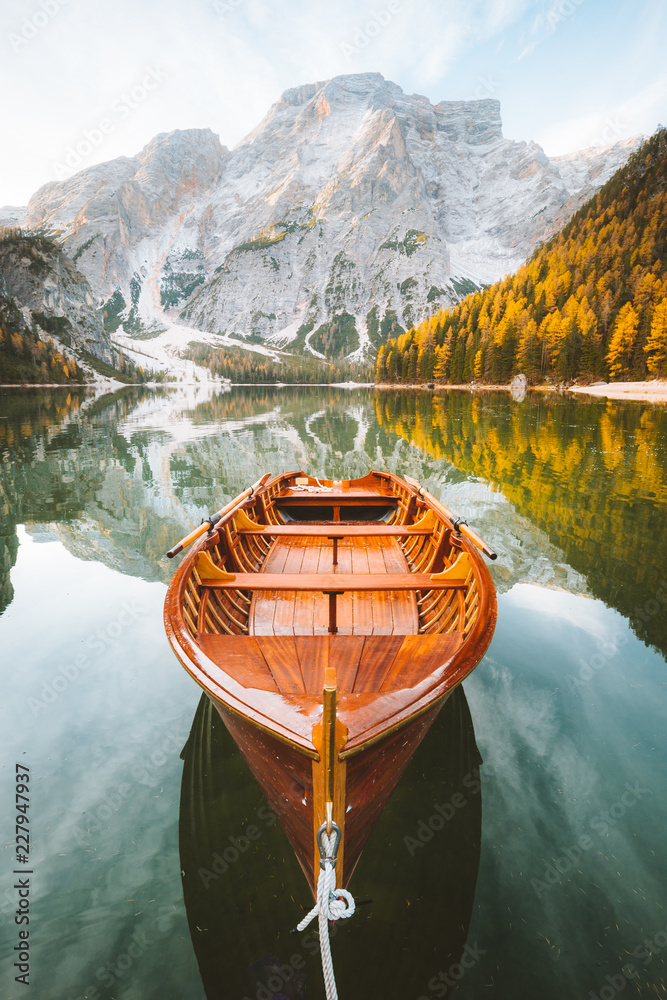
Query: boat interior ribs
329, 621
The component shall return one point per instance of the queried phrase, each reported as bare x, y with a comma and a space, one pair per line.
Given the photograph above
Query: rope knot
341, 904
332, 903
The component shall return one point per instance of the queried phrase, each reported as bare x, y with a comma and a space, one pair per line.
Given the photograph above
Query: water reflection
27, 421
243, 887
569, 711
88, 466
591, 474
568, 704
121, 476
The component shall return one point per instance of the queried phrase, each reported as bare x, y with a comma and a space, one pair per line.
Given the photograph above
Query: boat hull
288, 779
235, 860
328, 646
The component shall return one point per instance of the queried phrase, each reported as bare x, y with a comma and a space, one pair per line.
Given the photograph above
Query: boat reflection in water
244, 889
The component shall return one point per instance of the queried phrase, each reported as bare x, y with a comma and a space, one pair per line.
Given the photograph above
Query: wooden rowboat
328, 622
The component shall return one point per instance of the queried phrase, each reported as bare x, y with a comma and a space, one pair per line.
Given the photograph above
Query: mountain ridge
50, 329
590, 303
349, 196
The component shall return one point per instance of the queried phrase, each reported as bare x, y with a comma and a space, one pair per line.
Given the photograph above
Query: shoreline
654, 391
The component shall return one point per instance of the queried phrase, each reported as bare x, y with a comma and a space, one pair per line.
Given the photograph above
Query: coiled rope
332, 904
320, 488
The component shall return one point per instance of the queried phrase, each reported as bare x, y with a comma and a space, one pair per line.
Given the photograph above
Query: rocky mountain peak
350, 201
297, 96
185, 151
473, 122
175, 164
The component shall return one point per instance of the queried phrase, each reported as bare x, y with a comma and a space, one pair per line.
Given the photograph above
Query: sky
84, 81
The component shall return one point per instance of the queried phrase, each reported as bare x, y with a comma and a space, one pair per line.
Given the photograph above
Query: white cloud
546, 21
227, 66
607, 124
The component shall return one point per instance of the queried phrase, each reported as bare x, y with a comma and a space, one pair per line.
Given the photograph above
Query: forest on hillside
45, 347
591, 303
245, 366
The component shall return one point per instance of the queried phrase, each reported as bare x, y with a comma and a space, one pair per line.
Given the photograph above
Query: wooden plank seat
244, 525
335, 495
333, 582
341, 530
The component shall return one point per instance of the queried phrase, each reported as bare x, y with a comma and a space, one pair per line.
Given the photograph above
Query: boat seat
296, 528
299, 591
334, 582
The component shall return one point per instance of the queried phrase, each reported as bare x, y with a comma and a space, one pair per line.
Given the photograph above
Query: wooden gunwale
211, 677
421, 697
368, 718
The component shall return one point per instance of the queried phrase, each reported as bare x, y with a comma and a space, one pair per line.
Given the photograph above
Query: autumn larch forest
589, 304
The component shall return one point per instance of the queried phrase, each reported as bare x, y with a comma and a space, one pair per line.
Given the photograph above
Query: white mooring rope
332, 904
320, 488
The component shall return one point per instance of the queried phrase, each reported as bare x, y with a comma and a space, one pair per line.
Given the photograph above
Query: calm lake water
546, 879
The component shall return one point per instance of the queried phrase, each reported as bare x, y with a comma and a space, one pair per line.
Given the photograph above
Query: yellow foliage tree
442, 356
656, 345
587, 319
622, 341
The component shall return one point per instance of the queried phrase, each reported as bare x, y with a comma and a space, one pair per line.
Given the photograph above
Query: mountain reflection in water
124, 475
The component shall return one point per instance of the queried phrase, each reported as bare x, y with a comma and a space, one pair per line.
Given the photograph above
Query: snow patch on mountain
365, 351
349, 196
164, 352
309, 347
285, 336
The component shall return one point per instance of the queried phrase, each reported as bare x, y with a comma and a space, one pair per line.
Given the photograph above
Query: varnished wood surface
296, 665
366, 582
306, 612
351, 494
287, 782
340, 530
285, 778
265, 673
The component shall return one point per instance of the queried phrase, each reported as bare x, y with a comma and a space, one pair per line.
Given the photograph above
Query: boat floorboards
303, 613
365, 665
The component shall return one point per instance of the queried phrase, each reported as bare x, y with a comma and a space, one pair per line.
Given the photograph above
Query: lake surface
548, 881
